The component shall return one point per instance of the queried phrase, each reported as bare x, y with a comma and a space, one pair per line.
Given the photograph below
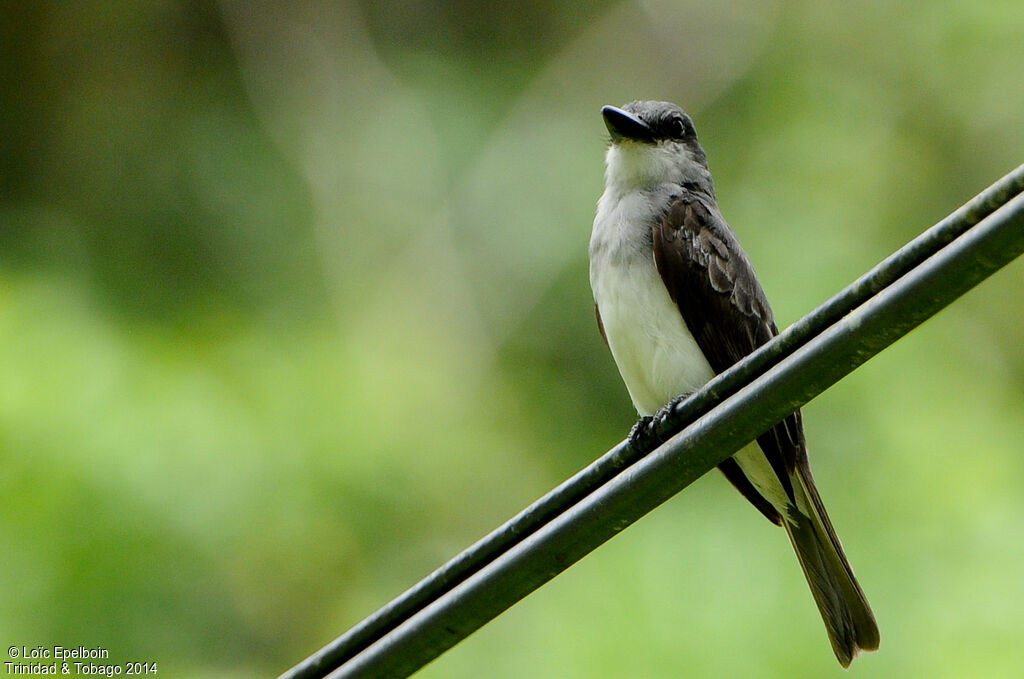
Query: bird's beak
624, 125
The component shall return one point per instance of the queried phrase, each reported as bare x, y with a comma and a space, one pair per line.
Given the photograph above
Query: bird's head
654, 143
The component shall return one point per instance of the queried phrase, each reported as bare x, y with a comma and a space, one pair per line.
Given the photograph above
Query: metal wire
567, 523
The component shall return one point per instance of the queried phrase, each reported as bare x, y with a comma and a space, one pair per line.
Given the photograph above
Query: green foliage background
294, 306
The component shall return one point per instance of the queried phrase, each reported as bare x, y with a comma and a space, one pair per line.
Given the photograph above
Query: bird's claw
666, 413
645, 434
641, 436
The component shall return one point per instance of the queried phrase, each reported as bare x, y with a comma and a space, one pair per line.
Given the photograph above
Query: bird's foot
665, 414
646, 434
642, 437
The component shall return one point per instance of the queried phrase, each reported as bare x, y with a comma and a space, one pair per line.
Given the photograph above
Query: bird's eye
677, 127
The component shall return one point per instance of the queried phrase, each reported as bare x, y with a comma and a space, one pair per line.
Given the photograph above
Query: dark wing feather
733, 472
710, 279
600, 326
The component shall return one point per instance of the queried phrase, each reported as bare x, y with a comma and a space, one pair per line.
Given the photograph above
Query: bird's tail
848, 619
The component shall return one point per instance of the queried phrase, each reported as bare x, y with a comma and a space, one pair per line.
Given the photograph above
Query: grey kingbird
678, 302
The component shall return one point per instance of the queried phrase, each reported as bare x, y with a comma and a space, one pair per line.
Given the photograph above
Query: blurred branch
562, 527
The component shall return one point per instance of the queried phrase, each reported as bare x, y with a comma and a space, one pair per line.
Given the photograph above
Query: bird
677, 302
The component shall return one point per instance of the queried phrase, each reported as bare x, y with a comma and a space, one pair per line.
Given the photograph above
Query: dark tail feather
848, 619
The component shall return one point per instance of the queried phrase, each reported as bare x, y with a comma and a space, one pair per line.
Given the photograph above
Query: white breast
656, 355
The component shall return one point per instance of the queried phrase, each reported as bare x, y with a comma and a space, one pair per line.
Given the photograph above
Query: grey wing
713, 284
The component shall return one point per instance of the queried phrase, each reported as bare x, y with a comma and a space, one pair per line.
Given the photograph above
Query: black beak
624, 125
